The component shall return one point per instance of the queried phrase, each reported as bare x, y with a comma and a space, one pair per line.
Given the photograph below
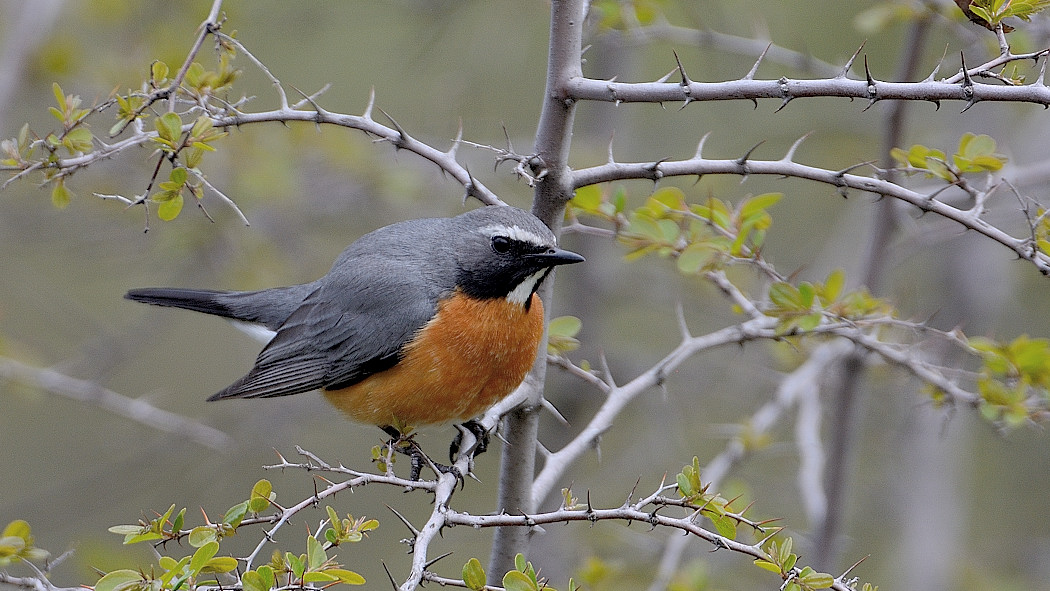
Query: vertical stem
553, 140
851, 369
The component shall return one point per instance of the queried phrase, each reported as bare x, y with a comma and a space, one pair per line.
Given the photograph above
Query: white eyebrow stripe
515, 233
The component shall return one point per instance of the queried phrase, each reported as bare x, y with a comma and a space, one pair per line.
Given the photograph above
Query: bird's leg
406, 445
480, 435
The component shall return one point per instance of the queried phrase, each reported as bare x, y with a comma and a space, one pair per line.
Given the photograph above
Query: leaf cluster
700, 236
523, 578
284, 569
994, 11
183, 149
1014, 380
781, 560
976, 153
16, 544
803, 306
710, 505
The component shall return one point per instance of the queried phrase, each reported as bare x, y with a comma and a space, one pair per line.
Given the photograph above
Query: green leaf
784, 295
235, 514
758, 204
588, 198
561, 334
315, 554
253, 581
833, 286
566, 326
158, 71
60, 195
767, 565
18, 528
267, 573
119, 580
220, 564
295, 563
178, 175
518, 581
260, 497
317, 576
203, 555
169, 127
725, 525
201, 535
346, 576
474, 574
519, 562
818, 580
695, 257
169, 209
78, 140
124, 530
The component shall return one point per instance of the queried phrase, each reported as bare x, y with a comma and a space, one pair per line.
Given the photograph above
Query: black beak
556, 256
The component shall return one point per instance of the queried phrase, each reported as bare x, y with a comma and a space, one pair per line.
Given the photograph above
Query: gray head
504, 252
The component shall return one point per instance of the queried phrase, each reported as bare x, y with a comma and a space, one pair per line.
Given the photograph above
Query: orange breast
469, 356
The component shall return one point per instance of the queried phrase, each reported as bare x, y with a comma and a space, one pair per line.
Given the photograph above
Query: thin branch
703, 166
136, 409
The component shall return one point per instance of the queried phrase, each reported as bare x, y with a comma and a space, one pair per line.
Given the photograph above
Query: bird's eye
500, 244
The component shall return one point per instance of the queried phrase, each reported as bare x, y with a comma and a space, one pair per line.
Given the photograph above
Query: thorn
1042, 72
404, 137
936, 104
606, 372
506, 134
654, 168
547, 404
844, 171
873, 94
312, 102
849, 64
791, 151
685, 77
855, 565
754, 69
611, 138
408, 524
937, 68
634, 488
455, 143
665, 77
469, 188
445, 555
700, 146
743, 159
683, 326
967, 85
754, 101
783, 103
367, 115
773, 534
388, 575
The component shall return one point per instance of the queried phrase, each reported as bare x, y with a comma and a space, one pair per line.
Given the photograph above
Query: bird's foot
481, 436
405, 444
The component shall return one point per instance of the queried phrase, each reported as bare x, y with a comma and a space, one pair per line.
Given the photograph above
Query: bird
422, 322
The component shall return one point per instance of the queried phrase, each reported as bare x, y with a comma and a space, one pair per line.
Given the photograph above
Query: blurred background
72, 469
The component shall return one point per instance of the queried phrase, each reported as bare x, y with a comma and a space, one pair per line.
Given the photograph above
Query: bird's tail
207, 301
267, 307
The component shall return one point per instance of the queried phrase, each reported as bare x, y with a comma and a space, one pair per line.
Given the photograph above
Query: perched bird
421, 322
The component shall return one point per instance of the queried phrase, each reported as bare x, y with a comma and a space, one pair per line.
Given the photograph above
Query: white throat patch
515, 233
520, 295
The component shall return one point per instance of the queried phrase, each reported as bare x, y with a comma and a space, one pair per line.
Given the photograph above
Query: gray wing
353, 325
